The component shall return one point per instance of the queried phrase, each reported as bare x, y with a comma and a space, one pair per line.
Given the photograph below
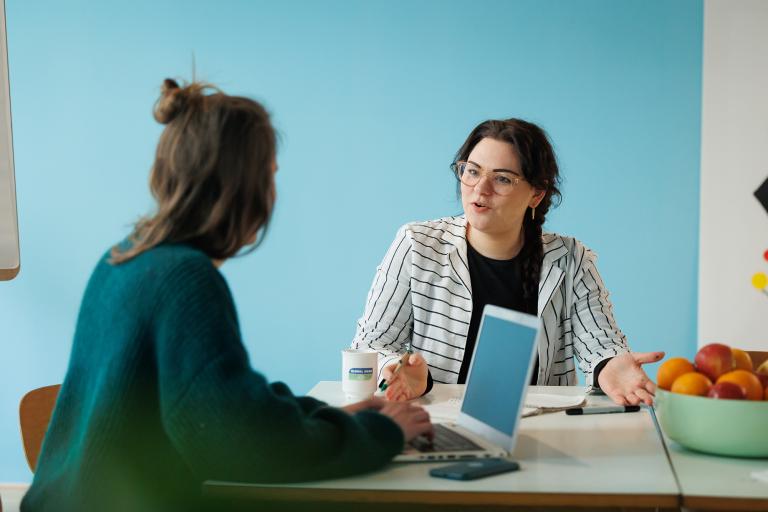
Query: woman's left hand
623, 379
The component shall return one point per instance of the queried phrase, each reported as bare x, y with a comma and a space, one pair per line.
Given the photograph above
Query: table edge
724, 503
232, 490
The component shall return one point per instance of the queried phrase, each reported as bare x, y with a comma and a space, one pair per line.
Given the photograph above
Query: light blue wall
372, 100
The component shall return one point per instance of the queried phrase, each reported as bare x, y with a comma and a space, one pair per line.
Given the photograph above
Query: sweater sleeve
226, 421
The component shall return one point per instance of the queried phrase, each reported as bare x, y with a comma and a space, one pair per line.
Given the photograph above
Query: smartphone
473, 469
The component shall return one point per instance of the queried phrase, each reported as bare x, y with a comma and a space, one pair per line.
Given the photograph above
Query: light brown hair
212, 177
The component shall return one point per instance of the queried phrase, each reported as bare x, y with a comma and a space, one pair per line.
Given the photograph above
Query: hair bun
172, 101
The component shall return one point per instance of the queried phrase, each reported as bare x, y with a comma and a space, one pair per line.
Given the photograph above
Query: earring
533, 212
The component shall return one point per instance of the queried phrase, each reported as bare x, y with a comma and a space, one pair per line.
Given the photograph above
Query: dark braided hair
539, 166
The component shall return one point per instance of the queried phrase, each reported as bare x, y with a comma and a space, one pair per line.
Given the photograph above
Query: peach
747, 381
727, 390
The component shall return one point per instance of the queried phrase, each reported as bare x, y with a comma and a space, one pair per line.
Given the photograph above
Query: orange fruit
748, 382
692, 383
671, 369
741, 360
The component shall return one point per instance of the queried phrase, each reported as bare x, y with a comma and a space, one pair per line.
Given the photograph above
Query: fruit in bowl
692, 383
746, 380
741, 359
714, 363
727, 390
762, 373
671, 369
718, 405
713, 360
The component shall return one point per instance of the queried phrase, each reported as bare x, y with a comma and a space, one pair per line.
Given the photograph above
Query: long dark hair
212, 176
539, 166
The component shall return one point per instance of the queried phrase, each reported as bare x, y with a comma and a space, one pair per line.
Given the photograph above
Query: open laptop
497, 382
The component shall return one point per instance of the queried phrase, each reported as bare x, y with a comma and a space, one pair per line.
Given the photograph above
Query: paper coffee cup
359, 372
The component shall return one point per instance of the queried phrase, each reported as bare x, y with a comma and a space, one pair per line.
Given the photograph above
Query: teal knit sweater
159, 396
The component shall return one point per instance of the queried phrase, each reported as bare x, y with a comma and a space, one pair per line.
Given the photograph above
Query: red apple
763, 378
713, 360
727, 390
763, 368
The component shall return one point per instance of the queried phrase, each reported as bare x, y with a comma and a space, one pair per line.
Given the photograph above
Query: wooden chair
757, 357
35, 412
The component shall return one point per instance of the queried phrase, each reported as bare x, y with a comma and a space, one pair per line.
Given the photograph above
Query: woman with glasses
160, 394
429, 291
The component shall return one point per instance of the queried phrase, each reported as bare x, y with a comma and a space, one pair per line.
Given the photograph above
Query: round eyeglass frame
457, 167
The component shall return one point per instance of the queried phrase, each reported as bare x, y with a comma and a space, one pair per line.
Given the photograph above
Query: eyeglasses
469, 174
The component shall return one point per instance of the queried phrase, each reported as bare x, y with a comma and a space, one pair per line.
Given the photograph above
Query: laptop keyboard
445, 440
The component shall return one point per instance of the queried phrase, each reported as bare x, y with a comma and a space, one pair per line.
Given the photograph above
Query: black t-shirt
499, 283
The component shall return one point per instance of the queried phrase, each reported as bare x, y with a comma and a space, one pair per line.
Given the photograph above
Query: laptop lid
499, 374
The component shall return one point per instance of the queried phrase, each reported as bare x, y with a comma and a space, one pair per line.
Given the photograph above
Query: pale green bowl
736, 428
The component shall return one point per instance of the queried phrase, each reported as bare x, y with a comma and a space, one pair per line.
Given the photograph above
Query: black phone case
478, 468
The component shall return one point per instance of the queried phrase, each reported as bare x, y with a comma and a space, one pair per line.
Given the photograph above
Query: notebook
494, 396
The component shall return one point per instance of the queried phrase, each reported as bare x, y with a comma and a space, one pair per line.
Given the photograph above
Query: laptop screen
499, 372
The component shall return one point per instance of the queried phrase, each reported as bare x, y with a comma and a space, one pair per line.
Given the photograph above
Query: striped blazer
422, 294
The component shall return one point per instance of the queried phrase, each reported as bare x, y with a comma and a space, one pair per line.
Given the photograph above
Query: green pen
408, 351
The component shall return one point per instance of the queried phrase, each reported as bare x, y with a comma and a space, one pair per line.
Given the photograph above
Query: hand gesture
624, 380
409, 382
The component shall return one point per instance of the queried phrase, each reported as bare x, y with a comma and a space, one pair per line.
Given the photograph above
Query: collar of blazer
551, 273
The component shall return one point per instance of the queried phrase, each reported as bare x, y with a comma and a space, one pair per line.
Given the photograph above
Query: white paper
548, 401
447, 409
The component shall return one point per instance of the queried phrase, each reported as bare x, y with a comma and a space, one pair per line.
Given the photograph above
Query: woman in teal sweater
159, 394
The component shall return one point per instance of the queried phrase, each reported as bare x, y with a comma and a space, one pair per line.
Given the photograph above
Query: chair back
35, 412
757, 357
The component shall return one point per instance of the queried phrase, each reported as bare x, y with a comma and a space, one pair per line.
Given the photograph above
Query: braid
533, 255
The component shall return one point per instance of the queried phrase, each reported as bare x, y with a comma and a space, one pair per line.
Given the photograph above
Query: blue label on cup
360, 373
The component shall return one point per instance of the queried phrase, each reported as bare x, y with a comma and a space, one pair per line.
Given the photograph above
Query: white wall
734, 226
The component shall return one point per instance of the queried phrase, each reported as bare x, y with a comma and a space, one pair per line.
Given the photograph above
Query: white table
608, 460
709, 482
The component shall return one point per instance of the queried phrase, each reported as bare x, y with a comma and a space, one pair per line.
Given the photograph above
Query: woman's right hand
409, 382
412, 419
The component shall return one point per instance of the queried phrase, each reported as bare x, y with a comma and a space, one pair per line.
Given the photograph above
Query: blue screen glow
499, 371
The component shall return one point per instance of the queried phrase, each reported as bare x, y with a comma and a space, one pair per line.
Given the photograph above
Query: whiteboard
9, 227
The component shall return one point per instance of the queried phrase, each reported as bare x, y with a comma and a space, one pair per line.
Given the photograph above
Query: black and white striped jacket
422, 293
